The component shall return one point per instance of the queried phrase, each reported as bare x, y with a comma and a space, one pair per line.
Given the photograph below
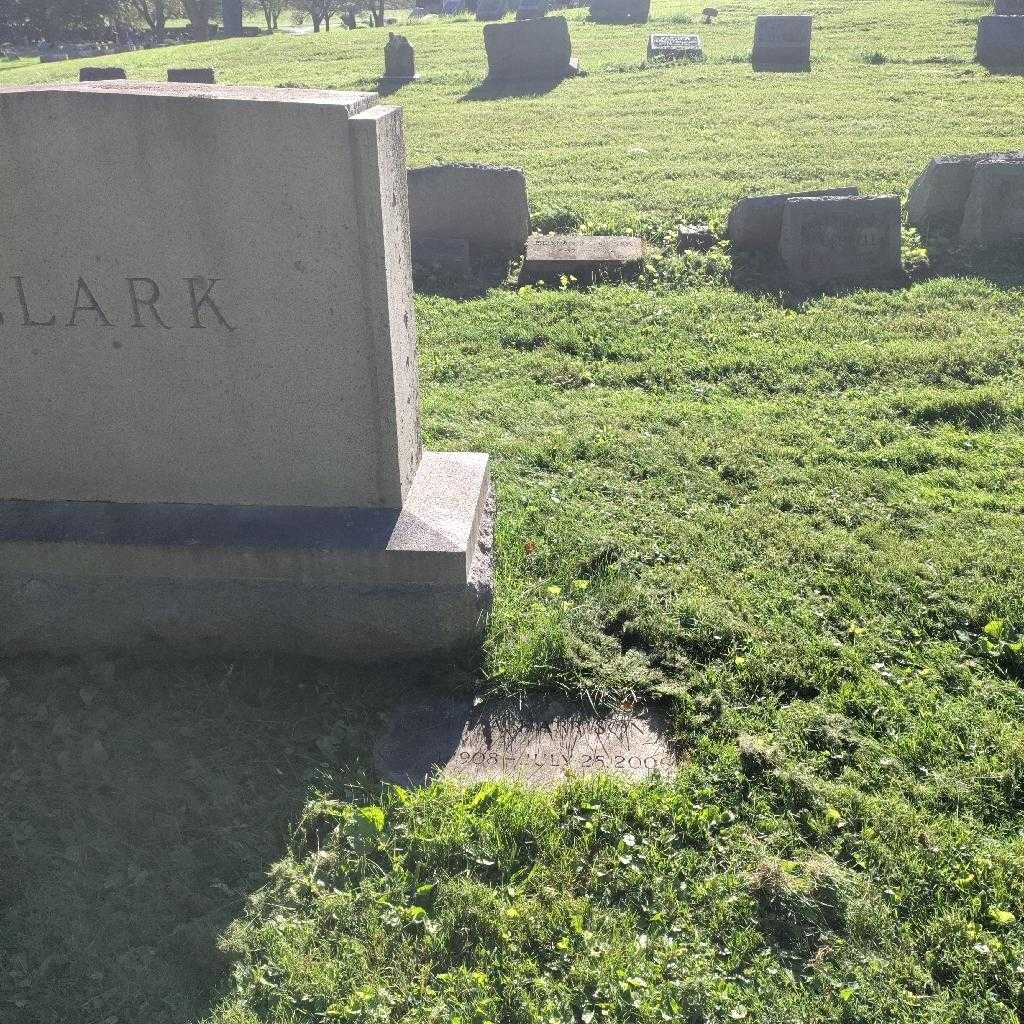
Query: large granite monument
538, 49
210, 412
1000, 42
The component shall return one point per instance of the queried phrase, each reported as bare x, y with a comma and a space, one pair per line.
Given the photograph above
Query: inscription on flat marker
538, 743
673, 47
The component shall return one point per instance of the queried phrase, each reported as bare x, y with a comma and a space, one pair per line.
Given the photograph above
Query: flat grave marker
538, 742
666, 46
583, 258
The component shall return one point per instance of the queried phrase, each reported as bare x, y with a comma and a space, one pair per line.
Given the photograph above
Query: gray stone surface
210, 419
100, 74
695, 238
535, 50
399, 59
943, 199
1001, 42
1014, 8
351, 584
196, 76
841, 240
782, 42
665, 46
531, 9
586, 258
231, 11
536, 741
755, 224
491, 10
622, 12
293, 383
485, 205
994, 211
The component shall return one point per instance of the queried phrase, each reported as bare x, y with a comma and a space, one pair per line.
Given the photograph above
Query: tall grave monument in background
209, 410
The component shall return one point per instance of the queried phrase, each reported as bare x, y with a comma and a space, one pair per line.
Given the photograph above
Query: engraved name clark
141, 304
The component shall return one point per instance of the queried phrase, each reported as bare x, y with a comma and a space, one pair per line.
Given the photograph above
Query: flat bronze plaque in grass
538, 742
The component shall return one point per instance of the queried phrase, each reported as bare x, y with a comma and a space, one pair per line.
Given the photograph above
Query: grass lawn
798, 527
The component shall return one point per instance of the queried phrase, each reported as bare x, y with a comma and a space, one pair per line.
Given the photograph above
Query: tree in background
271, 10
55, 20
321, 11
199, 13
153, 13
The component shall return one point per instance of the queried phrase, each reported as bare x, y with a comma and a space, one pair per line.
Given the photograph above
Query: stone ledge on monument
354, 584
431, 539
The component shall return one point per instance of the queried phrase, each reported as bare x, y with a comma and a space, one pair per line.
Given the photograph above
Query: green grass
799, 525
711, 132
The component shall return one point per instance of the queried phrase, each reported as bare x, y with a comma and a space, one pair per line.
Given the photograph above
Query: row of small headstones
203, 76
460, 212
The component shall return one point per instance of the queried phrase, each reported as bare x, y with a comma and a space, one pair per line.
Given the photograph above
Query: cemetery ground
795, 525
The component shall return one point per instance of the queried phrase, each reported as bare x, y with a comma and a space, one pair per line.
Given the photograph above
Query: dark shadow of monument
483, 273
389, 86
143, 802
765, 276
506, 88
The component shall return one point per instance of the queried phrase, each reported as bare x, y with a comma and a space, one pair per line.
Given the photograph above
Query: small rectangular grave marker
583, 258
491, 10
1001, 42
197, 76
622, 12
664, 46
98, 74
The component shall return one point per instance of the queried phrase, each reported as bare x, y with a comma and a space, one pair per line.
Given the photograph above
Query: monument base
351, 584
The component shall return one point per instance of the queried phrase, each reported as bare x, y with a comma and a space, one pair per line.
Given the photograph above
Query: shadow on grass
764, 277
504, 89
141, 804
1002, 266
433, 277
389, 86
